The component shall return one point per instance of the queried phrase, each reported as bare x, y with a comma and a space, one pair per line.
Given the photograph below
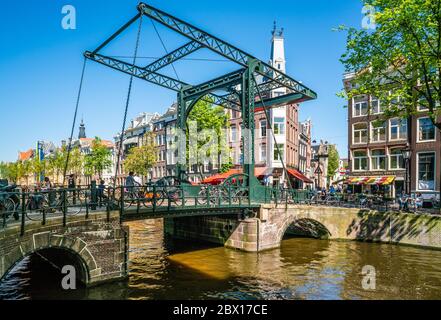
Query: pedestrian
101, 192
419, 200
71, 181
332, 189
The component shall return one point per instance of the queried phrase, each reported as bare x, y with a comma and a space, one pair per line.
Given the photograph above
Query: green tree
26, 170
3, 170
333, 161
141, 159
12, 172
399, 62
76, 162
55, 163
37, 167
208, 116
99, 158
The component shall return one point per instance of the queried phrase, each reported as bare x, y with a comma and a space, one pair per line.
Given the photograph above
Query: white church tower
278, 115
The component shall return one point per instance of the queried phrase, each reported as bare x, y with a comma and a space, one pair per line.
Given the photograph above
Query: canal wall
97, 248
272, 223
213, 229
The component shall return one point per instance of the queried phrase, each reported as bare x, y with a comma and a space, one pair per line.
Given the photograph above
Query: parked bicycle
9, 202
49, 202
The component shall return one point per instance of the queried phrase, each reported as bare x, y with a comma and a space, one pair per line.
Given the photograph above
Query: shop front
384, 185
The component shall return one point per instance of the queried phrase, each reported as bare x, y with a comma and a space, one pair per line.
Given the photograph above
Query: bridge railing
20, 207
156, 198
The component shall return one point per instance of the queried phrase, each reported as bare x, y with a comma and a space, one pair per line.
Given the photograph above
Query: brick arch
313, 225
74, 246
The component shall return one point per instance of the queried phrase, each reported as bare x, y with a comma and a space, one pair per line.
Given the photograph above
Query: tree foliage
209, 118
399, 61
141, 159
99, 158
333, 160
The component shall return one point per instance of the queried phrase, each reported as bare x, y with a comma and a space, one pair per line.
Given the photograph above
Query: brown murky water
300, 269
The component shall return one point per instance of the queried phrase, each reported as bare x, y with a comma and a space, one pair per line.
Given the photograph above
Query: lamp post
407, 154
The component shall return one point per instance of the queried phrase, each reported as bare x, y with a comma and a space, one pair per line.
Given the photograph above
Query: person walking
101, 192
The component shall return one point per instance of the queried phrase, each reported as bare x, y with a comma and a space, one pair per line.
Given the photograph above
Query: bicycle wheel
8, 210
177, 198
73, 207
34, 212
206, 197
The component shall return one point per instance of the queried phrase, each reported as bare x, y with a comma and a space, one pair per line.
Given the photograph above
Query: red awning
220, 177
298, 175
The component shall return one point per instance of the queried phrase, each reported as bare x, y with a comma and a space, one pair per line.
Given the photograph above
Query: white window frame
371, 130
390, 155
399, 129
418, 172
379, 106
418, 131
276, 124
354, 108
282, 150
234, 129
263, 148
365, 157
377, 161
266, 129
353, 133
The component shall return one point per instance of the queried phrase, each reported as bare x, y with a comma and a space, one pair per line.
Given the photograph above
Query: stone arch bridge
98, 244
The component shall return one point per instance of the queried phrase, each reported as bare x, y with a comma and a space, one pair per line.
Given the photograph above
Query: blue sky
40, 62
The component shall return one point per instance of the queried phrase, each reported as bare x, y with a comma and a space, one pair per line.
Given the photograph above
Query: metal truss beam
225, 82
113, 36
279, 101
173, 56
155, 78
224, 49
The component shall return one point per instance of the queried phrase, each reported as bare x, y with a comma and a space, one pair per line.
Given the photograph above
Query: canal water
301, 269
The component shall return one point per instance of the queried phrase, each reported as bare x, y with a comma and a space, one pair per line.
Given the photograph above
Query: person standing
101, 192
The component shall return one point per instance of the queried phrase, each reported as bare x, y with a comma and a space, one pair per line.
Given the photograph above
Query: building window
378, 132
396, 159
263, 152
398, 129
279, 156
279, 125
378, 160
360, 161
426, 171
375, 106
426, 130
360, 109
263, 128
233, 134
360, 133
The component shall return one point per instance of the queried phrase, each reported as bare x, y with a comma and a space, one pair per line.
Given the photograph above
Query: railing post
182, 196
138, 204
229, 195
208, 195
121, 202
64, 208
4, 213
93, 195
108, 202
23, 212
87, 206
154, 198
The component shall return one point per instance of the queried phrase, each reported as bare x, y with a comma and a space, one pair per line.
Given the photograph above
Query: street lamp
407, 154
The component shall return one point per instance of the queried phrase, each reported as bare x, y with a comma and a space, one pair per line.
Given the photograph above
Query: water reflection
301, 269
